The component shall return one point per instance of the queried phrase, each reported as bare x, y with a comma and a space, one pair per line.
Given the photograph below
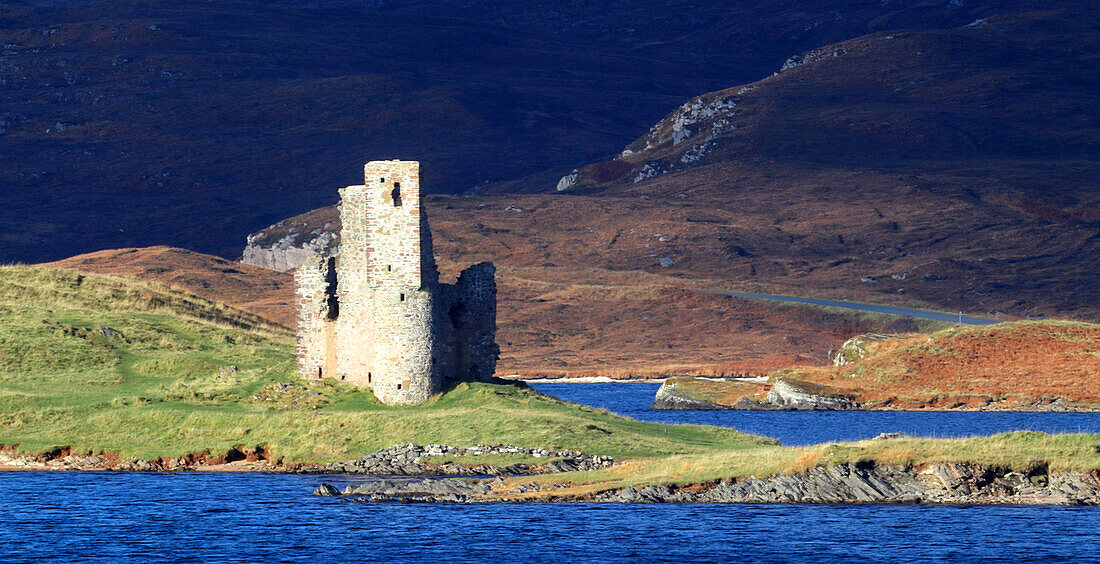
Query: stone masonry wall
355, 324
314, 300
476, 292
397, 330
400, 281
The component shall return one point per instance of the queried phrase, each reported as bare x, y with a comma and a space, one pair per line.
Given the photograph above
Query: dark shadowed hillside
951, 169
195, 123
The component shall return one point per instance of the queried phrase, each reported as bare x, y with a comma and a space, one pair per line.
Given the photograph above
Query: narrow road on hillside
918, 313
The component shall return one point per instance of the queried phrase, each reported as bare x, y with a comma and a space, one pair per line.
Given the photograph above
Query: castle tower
377, 316
386, 273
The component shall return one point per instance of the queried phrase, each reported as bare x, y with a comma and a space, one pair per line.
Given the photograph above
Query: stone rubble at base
416, 460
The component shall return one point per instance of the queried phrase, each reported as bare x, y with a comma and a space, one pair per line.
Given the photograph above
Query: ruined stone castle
377, 315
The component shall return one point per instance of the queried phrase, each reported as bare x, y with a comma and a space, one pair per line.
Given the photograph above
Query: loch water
798, 428
111, 517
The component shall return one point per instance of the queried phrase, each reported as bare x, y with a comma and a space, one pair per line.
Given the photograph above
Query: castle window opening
368, 377
396, 194
402, 297
381, 180
389, 268
399, 386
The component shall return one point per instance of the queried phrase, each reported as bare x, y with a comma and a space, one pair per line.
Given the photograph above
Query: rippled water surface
249, 517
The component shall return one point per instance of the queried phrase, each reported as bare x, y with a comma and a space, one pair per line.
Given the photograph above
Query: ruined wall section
477, 350
354, 326
403, 282
316, 283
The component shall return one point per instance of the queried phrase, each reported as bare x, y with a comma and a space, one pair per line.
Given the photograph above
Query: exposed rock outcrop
855, 349
669, 398
785, 394
795, 395
946, 483
289, 251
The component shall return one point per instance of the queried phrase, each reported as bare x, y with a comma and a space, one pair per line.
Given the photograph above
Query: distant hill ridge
192, 124
950, 169
1005, 94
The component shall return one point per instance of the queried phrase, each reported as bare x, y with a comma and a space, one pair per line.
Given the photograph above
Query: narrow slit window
381, 180
402, 296
389, 268
396, 194
399, 386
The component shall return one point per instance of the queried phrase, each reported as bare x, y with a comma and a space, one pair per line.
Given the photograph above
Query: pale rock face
649, 171
568, 181
697, 152
698, 115
290, 251
784, 394
855, 349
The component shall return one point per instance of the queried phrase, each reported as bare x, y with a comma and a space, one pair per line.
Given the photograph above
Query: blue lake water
797, 428
112, 517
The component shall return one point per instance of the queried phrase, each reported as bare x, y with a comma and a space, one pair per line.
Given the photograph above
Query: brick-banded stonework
377, 316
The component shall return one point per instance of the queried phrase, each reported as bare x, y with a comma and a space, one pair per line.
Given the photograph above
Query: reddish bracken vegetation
1021, 363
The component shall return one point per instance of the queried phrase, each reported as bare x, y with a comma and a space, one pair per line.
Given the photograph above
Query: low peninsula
110, 373
1015, 366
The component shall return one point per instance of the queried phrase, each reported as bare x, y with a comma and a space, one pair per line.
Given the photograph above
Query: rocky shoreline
399, 460
947, 483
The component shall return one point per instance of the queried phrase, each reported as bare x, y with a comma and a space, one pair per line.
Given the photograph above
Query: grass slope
107, 363
1021, 451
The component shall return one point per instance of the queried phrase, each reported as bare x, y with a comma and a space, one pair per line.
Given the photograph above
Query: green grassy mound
105, 363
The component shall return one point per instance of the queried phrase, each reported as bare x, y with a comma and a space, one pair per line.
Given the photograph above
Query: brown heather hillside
953, 170
1026, 365
558, 322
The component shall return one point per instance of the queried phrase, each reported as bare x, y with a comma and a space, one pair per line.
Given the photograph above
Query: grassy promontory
108, 364
104, 363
